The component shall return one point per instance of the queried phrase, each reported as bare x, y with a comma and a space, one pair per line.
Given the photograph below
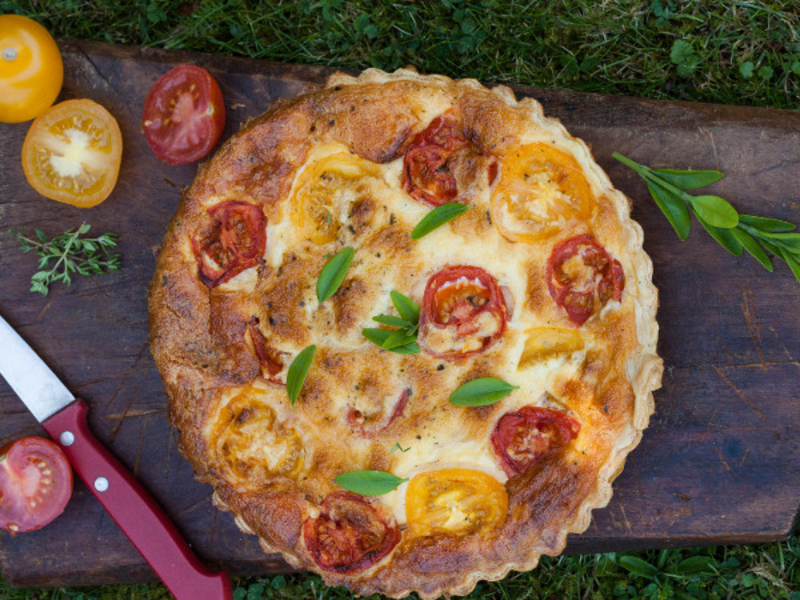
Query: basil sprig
333, 274
438, 217
369, 483
481, 392
734, 232
402, 339
296, 376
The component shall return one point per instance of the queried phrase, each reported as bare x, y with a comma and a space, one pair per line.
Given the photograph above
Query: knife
64, 417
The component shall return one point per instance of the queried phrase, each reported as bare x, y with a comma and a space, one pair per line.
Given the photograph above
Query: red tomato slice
524, 436
582, 277
463, 312
35, 484
425, 172
369, 427
184, 115
349, 535
237, 241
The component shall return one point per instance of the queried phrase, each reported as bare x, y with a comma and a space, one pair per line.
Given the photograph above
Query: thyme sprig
733, 231
69, 254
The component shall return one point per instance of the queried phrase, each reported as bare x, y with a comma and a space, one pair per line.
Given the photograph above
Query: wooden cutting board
720, 462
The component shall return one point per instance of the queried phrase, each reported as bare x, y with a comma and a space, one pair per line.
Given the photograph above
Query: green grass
735, 52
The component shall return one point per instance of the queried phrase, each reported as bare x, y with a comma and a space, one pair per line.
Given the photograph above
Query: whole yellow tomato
31, 71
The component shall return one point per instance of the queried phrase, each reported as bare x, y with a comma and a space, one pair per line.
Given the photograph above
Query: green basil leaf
638, 566
790, 241
403, 344
715, 211
768, 225
438, 217
397, 446
481, 392
333, 274
369, 483
674, 208
410, 348
375, 335
688, 180
296, 376
794, 263
724, 237
393, 321
398, 338
406, 307
751, 245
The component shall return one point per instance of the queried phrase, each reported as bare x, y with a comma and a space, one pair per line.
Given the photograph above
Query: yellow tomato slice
456, 502
250, 442
544, 342
72, 153
542, 189
31, 71
326, 190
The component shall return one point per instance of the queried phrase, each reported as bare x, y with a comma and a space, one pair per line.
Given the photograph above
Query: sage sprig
733, 231
298, 370
438, 217
481, 392
369, 483
402, 339
333, 273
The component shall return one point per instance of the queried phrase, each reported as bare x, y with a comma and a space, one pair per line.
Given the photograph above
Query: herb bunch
403, 339
69, 254
733, 231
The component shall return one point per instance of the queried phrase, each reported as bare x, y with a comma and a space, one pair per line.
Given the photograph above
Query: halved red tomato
236, 242
524, 436
35, 484
184, 115
349, 535
463, 312
582, 277
371, 426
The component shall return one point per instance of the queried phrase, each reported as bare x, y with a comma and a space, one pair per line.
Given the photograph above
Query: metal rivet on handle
67, 438
101, 484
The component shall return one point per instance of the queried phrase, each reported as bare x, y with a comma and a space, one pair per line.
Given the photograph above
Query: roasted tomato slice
237, 240
426, 175
524, 436
184, 115
463, 312
542, 343
349, 535
456, 502
369, 427
250, 443
271, 360
582, 277
542, 191
35, 484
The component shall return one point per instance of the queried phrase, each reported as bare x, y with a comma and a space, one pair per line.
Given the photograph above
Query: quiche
537, 293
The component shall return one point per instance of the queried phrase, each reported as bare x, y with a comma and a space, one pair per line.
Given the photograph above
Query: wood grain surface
719, 464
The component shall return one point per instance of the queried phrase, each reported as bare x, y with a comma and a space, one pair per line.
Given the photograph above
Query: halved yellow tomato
544, 342
326, 190
542, 189
455, 501
72, 153
31, 71
250, 442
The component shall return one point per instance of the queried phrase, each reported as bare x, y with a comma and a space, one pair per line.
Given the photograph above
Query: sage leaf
296, 376
333, 274
481, 392
688, 180
369, 483
393, 321
674, 208
438, 217
406, 307
751, 245
715, 211
724, 237
768, 225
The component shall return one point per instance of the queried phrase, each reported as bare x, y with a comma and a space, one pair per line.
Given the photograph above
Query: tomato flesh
35, 484
349, 535
184, 115
524, 436
582, 277
463, 312
236, 242
270, 359
368, 428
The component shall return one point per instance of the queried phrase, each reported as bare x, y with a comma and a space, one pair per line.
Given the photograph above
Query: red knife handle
136, 513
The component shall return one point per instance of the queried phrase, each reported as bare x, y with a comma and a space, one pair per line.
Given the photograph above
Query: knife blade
63, 416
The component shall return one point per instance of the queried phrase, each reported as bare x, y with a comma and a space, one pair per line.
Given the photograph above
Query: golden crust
202, 346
